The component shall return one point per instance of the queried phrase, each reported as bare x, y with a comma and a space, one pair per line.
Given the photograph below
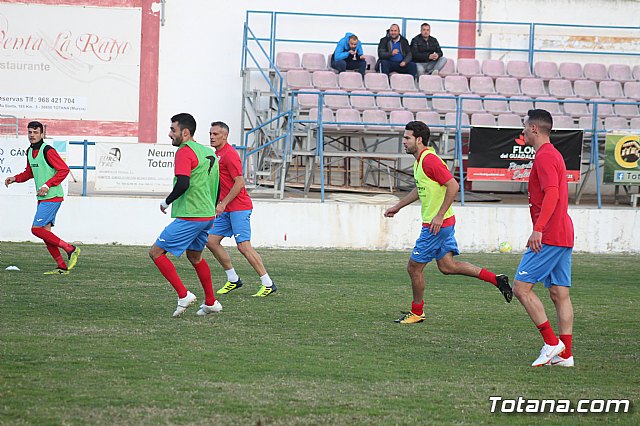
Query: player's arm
451, 189
238, 184
405, 201
549, 203
185, 161
56, 162
20, 177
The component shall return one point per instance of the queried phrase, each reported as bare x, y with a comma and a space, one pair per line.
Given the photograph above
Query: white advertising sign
135, 167
70, 62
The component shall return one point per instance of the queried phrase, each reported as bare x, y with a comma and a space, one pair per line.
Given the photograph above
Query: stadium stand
350, 81
546, 70
377, 82
431, 84
286, 61
595, 72
363, 103
571, 71
469, 67
493, 68
314, 62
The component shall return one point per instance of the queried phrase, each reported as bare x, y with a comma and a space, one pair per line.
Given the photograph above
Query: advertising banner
621, 165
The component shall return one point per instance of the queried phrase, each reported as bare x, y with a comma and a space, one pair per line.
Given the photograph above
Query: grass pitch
99, 346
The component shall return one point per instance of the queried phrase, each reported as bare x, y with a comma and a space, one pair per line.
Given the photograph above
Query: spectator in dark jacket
394, 53
426, 52
348, 55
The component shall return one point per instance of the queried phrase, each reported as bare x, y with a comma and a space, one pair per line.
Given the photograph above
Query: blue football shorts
181, 235
233, 224
429, 246
552, 266
46, 213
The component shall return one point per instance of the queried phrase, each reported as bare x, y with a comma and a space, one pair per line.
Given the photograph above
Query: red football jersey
230, 167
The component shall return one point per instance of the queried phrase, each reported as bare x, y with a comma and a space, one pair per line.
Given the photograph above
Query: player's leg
221, 229
559, 293
194, 254
43, 221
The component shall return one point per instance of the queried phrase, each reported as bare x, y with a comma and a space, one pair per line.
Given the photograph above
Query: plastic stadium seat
314, 62
586, 89
306, 101
349, 115
518, 69
616, 123
469, 67
325, 80
635, 123
431, 84
627, 111
508, 86
327, 115
595, 72
471, 103
632, 90
430, 118
443, 104
375, 116
389, 103
576, 109
546, 70
610, 89
496, 106
403, 83
520, 104
620, 72
482, 85
450, 119
483, 119
604, 109
286, 61
560, 88
376, 82
362, 103
533, 87
552, 107
493, 68
509, 120
571, 71
350, 81
449, 68
337, 101
456, 84
563, 122
586, 123
299, 79
636, 72
400, 119
371, 63
415, 104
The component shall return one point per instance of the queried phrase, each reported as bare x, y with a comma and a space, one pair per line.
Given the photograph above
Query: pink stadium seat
375, 116
299, 79
620, 72
493, 68
325, 80
586, 123
350, 81
571, 71
450, 120
327, 115
632, 90
443, 104
636, 72
431, 84
469, 67
533, 87
520, 104
349, 116
363, 103
595, 72
483, 119
471, 103
314, 62
586, 89
430, 118
371, 63
577, 109
616, 123
563, 122
389, 103
403, 83
400, 119
635, 123
610, 89
509, 120
508, 86
604, 109
286, 61
552, 107
337, 101
560, 88
482, 85
306, 101
456, 84
627, 111
518, 69
449, 68
415, 104
546, 70
376, 82
496, 105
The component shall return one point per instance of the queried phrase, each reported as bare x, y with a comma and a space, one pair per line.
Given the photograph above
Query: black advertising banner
500, 154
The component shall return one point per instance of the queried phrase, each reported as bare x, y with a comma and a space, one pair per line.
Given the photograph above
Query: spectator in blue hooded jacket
348, 55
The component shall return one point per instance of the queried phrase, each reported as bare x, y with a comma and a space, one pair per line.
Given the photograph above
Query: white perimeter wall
310, 224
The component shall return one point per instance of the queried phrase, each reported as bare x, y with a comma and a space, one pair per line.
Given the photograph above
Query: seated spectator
394, 53
426, 52
347, 55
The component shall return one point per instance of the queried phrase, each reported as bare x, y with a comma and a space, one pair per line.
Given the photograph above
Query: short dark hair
221, 124
353, 37
35, 125
424, 24
419, 129
542, 118
185, 121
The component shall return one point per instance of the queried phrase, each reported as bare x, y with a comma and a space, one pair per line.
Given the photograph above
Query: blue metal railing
85, 143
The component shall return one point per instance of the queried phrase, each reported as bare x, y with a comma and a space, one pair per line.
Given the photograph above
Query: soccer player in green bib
193, 205
48, 171
436, 189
